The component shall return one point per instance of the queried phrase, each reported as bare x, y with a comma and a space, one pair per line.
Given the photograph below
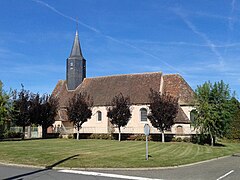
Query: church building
103, 89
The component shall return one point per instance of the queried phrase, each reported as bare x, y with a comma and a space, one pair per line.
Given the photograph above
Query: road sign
146, 132
146, 129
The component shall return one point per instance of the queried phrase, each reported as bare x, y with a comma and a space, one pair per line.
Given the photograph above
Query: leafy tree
21, 113
163, 111
212, 109
5, 108
43, 110
79, 110
234, 125
119, 112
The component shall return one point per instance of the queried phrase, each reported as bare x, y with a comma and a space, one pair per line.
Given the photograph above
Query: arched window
99, 116
143, 114
179, 130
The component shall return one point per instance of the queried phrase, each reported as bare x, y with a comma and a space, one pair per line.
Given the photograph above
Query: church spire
76, 48
76, 65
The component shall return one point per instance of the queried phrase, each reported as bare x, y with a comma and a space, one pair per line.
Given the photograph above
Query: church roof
136, 86
176, 86
103, 89
76, 48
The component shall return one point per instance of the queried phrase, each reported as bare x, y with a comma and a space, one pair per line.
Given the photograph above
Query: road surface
224, 168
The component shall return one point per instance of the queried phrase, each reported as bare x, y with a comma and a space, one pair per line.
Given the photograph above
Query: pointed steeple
76, 48
76, 65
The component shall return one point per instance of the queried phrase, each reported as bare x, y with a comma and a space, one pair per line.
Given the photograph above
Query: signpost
146, 132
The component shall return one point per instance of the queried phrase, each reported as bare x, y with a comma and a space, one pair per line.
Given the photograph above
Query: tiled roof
176, 86
103, 89
136, 86
181, 117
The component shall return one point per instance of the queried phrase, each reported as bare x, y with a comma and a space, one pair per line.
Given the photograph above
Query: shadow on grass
47, 168
219, 145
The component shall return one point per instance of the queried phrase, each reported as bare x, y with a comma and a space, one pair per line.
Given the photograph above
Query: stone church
103, 89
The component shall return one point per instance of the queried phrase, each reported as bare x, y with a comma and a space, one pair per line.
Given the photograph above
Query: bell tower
76, 66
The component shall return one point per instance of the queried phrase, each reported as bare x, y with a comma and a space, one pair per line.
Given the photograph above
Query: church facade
103, 89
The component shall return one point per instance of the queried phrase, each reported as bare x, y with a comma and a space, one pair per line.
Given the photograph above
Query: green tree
163, 111
234, 125
119, 112
234, 130
79, 110
212, 114
43, 110
21, 112
5, 108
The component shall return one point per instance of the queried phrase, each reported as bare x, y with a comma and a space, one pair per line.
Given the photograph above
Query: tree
213, 113
119, 112
234, 125
43, 110
79, 110
163, 111
21, 106
5, 108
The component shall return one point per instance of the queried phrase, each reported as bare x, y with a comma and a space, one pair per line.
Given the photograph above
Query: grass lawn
108, 153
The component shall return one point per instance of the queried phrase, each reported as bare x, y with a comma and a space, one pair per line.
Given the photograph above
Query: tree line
25, 108
216, 112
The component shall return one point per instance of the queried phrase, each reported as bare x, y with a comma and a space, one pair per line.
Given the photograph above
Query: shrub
187, 140
140, 137
173, 139
12, 134
178, 139
70, 136
100, 136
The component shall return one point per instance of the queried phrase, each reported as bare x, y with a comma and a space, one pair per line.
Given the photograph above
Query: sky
200, 40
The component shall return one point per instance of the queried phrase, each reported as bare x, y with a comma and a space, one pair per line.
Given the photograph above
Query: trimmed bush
12, 134
178, 139
187, 140
70, 136
101, 136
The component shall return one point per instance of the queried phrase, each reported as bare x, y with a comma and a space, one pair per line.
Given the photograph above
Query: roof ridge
177, 74
117, 75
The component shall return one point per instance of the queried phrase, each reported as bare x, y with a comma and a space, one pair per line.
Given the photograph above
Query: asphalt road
224, 168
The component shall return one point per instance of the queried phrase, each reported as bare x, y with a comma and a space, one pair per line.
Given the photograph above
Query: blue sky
198, 39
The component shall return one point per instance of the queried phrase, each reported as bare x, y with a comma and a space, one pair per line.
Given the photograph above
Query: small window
99, 116
179, 130
143, 114
71, 63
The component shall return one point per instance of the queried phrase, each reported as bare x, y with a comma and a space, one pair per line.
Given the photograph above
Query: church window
143, 114
179, 130
99, 116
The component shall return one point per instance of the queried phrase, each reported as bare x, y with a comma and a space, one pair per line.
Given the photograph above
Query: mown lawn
108, 153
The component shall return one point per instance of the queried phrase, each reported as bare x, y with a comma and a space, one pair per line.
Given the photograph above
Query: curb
115, 169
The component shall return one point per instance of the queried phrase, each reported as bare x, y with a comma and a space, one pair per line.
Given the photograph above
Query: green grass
108, 153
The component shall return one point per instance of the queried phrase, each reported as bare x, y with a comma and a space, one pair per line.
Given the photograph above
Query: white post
146, 147
146, 132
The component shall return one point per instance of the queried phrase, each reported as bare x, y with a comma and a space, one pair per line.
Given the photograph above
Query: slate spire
76, 48
76, 65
